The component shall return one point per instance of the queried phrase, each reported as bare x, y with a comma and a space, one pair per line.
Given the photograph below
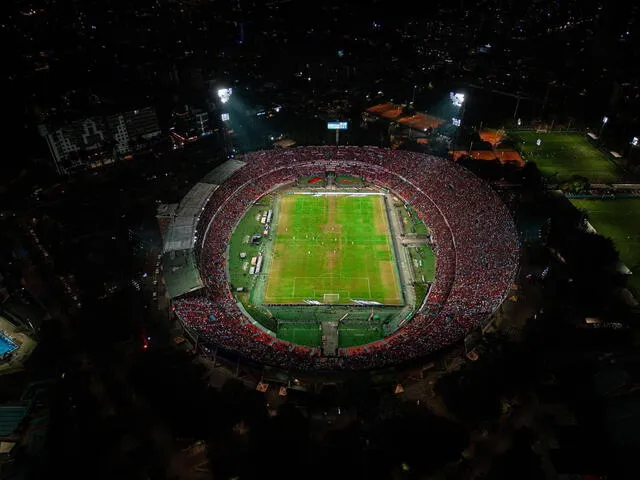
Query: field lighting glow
605, 119
634, 141
224, 94
456, 98
456, 122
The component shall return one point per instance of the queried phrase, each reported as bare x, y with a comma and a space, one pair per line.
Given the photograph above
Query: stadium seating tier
474, 236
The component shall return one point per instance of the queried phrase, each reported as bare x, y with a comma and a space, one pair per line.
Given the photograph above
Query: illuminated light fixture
456, 98
538, 142
605, 119
224, 94
634, 141
225, 117
456, 121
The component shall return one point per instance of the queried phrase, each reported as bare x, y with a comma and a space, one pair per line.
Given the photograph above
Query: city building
99, 140
189, 125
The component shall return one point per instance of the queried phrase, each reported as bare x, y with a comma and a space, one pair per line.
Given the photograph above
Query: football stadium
337, 258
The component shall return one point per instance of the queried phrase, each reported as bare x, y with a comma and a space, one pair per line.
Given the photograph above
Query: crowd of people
474, 237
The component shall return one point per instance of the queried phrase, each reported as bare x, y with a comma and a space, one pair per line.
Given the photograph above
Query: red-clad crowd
474, 237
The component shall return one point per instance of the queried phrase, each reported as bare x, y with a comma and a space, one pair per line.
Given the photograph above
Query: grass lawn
300, 334
332, 248
312, 181
411, 223
347, 180
352, 335
567, 154
424, 263
618, 219
240, 243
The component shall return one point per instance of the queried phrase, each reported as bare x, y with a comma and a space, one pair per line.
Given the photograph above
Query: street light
605, 119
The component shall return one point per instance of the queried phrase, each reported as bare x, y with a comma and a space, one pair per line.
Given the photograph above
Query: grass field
352, 335
424, 263
618, 219
567, 154
411, 223
332, 248
238, 267
301, 334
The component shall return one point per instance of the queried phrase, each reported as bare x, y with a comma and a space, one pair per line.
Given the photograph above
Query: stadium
337, 258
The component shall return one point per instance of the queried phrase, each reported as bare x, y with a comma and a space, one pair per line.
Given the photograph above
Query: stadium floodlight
605, 119
457, 99
519, 122
634, 141
539, 142
224, 94
456, 121
225, 117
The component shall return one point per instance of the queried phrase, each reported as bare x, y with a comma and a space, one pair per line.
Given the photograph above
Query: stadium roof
178, 262
218, 175
420, 121
387, 110
417, 121
167, 210
494, 137
502, 155
180, 272
180, 234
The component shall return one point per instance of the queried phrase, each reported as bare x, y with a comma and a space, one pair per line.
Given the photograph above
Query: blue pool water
6, 345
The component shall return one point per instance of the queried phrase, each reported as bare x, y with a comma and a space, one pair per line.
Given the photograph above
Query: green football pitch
567, 154
332, 249
618, 219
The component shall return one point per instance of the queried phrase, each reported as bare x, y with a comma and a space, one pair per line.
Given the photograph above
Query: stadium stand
474, 238
178, 262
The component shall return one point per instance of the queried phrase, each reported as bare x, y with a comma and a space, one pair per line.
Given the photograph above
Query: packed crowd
474, 237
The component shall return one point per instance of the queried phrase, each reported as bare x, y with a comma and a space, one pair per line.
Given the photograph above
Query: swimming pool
6, 345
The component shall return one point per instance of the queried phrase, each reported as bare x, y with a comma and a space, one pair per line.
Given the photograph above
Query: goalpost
331, 297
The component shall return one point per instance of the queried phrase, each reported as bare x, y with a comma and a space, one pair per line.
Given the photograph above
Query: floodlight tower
634, 143
224, 95
458, 100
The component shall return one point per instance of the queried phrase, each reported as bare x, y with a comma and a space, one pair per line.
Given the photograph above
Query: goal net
331, 297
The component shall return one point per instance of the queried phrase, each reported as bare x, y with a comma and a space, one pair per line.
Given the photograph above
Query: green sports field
332, 249
567, 154
618, 219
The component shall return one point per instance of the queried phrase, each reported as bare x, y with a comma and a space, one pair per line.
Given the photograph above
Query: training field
332, 249
567, 154
618, 219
